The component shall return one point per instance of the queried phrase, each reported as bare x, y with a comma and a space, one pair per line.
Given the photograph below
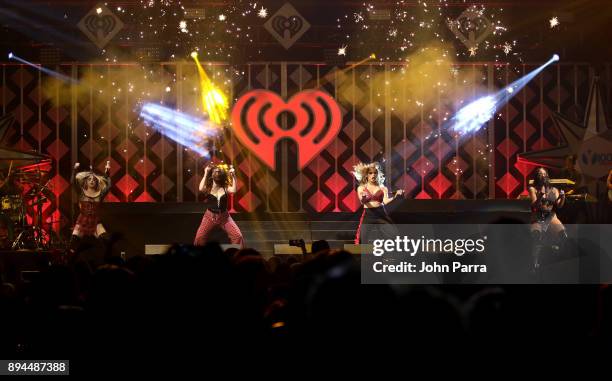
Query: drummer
9, 184
8, 187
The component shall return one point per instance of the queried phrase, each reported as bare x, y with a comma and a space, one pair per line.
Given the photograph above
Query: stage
142, 224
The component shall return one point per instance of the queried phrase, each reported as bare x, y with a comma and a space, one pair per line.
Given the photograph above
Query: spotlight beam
16, 20
474, 115
182, 128
213, 100
60, 76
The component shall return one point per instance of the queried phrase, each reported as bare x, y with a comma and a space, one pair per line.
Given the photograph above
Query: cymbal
28, 175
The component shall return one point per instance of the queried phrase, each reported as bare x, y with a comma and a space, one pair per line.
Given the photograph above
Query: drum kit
24, 194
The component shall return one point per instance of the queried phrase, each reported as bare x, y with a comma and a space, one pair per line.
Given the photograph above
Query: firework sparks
263, 13
554, 21
507, 47
222, 17
214, 101
342, 50
183, 26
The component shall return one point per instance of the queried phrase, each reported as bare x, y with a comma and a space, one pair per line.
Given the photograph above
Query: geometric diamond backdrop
98, 126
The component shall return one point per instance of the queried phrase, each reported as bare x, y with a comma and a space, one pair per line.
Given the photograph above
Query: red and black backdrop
102, 124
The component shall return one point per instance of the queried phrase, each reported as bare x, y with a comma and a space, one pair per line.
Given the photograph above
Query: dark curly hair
225, 179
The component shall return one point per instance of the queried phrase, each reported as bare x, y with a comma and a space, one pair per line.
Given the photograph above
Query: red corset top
378, 196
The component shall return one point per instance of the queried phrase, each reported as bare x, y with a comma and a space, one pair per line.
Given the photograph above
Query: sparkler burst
189, 131
214, 101
183, 26
426, 23
342, 50
263, 13
473, 116
554, 21
507, 48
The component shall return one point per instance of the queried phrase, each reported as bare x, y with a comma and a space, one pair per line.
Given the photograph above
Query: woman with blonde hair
91, 188
373, 195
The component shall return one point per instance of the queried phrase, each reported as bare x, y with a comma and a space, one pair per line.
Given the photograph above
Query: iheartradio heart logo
256, 118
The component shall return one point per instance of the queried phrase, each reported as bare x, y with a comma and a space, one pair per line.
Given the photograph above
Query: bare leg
100, 230
557, 232
537, 244
75, 240
556, 227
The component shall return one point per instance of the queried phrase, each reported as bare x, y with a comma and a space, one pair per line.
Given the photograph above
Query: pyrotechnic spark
554, 21
183, 26
98, 10
507, 48
473, 50
263, 13
342, 50
189, 131
222, 17
213, 100
473, 116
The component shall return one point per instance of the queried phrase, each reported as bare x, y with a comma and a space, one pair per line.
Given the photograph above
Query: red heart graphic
317, 122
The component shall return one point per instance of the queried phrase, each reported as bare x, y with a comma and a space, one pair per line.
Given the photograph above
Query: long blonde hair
360, 171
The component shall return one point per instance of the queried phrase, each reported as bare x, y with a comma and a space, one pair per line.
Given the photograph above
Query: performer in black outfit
545, 200
218, 182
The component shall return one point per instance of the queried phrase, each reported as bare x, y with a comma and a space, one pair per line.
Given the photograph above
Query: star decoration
590, 142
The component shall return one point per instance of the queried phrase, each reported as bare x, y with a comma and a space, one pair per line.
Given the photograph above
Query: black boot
73, 246
538, 247
560, 242
108, 246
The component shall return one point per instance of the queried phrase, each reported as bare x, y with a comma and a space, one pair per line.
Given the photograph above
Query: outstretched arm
560, 198
388, 198
533, 196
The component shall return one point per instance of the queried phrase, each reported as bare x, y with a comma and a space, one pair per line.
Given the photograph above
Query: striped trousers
223, 220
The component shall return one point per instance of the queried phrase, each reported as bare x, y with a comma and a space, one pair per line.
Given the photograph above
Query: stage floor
143, 224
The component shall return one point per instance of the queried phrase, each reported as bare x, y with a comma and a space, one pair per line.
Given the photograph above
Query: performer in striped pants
217, 183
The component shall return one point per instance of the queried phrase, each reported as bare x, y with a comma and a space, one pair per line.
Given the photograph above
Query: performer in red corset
373, 195
91, 189
218, 182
